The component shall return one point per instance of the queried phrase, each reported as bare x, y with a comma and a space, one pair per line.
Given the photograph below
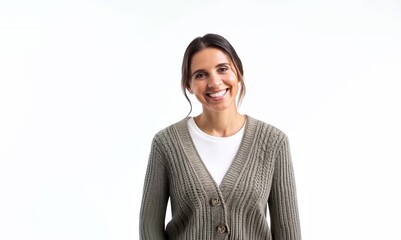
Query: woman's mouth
217, 94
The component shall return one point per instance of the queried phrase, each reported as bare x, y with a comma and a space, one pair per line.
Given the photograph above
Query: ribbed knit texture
260, 176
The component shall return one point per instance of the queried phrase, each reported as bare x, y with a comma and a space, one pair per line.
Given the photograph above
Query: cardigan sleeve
155, 197
283, 207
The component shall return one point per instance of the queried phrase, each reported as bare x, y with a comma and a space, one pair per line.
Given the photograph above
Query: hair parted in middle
210, 41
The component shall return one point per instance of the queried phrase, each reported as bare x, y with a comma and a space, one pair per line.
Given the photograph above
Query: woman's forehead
209, 57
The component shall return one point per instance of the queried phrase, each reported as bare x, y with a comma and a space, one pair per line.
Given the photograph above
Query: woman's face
214, 81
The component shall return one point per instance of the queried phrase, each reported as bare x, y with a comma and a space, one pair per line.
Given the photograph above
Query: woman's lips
218, 94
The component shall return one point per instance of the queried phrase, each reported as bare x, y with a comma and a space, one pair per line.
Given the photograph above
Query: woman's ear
189, 90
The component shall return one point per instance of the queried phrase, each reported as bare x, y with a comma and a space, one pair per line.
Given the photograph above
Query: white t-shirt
217, 153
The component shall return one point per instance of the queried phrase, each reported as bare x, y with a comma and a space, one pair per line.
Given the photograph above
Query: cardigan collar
225, 190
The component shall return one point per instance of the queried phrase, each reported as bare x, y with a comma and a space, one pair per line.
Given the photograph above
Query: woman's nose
214, 80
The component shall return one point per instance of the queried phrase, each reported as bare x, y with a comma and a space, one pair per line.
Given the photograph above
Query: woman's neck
220, 124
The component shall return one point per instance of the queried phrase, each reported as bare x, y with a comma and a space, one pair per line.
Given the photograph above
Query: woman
220, 169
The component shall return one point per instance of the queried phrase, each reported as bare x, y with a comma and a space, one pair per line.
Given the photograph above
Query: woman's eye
223, 69
200, 75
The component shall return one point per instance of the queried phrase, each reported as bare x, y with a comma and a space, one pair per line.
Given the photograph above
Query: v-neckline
234, 172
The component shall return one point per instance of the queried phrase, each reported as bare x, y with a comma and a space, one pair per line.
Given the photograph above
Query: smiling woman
221, 169
214, 80
210, 43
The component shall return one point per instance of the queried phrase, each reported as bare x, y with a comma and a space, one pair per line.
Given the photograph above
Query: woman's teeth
218, 94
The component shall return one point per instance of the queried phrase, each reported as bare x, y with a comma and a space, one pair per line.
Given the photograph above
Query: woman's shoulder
170, 130
265, 128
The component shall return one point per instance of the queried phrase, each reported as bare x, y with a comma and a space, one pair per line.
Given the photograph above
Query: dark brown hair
210, 41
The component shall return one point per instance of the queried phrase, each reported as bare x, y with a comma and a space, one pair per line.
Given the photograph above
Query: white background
84, 86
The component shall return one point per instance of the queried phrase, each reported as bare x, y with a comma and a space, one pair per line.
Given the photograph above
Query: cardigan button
222, 229
215, 201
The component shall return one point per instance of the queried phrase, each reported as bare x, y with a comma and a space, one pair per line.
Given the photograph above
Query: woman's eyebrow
222, 64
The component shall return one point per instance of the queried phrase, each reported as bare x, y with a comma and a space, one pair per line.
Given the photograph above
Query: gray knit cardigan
260, 176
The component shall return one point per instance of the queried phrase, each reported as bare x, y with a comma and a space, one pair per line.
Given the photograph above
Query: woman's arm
283, 200
154, 199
